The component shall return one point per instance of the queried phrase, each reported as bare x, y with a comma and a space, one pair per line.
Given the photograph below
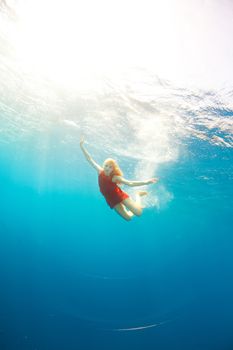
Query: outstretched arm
120, 179
89, 158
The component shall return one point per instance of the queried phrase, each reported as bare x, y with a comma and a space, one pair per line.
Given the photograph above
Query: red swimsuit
112, 193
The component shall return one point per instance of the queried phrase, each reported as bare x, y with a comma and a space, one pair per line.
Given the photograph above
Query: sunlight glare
72, 41
69, 40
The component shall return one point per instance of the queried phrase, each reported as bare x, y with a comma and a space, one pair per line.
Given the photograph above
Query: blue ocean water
74, 275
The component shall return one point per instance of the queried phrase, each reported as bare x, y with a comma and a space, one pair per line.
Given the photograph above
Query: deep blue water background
73, 272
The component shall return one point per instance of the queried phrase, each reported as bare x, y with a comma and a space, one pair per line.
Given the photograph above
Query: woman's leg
120, 209
135, 206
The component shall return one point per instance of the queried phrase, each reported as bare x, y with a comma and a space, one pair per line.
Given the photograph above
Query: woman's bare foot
142, 193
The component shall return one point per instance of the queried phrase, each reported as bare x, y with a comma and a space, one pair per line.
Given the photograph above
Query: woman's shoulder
100, 171
116, 178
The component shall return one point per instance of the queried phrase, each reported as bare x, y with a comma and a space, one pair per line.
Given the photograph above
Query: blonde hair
116, 169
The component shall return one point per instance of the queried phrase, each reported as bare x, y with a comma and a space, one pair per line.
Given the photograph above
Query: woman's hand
152, 181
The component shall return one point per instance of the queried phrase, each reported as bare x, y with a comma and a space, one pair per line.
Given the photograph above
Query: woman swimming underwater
110, 177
